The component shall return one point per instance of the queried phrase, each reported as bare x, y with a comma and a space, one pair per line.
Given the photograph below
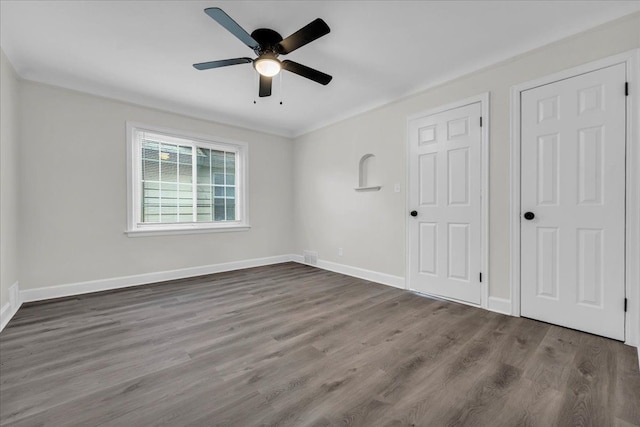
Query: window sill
187, 230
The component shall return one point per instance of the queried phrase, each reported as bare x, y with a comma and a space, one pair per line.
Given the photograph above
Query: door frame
631, 59
483, 99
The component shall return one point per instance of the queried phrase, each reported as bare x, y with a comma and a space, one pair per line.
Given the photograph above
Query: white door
573, 184
444, 195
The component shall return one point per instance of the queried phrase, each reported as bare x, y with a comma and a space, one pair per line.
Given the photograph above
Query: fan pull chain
281, 92
255, 85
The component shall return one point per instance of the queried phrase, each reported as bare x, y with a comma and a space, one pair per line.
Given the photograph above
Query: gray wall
73, 193
370, 227
8, 178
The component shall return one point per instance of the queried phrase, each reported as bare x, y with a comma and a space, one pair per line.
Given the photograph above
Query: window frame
137, 228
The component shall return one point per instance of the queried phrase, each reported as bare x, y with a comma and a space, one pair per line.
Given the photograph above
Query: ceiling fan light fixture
267, 65
269, 45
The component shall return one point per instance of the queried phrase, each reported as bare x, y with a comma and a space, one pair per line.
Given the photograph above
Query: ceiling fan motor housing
268, 40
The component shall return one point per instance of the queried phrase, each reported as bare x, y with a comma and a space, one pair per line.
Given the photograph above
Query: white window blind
185, 182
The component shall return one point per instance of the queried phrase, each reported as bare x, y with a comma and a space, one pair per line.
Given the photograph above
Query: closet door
573, 202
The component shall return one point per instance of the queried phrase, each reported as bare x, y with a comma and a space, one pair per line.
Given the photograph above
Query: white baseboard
361, 273
59, 291
79, 288
5, 315
499, 305
11, 308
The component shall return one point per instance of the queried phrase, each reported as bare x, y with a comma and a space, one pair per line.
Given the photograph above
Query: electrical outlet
340, 252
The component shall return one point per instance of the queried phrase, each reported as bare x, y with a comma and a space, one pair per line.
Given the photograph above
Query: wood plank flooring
291, 345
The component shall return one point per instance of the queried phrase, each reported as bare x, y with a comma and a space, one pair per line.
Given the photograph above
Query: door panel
547, 262
458, 179
573, 180
429, 247
547, 173
428, 179
445, 180
459, 251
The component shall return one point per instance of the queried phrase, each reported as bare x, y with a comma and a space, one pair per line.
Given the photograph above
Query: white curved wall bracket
362, 175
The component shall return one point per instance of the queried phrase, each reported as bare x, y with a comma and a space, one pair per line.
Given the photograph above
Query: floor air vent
310, 257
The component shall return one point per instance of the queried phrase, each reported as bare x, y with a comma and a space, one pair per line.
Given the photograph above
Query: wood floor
293, 345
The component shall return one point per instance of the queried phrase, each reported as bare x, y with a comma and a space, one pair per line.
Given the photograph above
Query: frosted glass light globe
268, 67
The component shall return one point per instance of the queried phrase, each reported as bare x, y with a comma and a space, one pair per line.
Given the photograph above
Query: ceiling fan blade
304, 71
232, 26
221, 63
265, 86
304, 35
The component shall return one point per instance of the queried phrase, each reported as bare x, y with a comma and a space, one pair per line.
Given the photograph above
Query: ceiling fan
268, 45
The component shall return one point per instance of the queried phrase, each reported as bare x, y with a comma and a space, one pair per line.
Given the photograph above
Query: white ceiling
377, 51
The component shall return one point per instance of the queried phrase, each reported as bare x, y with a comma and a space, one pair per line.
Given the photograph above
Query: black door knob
414, 213
529, 216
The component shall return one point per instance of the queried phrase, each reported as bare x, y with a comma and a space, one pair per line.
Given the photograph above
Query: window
183, 183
